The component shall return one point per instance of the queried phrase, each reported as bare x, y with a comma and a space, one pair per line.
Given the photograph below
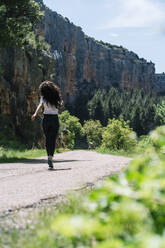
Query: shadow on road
54, 169
45, 161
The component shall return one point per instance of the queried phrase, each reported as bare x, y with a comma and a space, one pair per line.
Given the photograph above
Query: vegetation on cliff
17, 20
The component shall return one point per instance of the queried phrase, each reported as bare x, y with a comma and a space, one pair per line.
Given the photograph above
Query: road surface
26, 183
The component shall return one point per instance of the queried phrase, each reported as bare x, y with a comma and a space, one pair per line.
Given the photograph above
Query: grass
116, 152
15, 155
18, 155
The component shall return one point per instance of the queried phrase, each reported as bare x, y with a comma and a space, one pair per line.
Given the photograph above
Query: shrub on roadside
73, 127
144, 141
118, 135
93, 131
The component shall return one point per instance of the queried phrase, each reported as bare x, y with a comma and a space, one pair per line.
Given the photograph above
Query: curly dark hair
51, 93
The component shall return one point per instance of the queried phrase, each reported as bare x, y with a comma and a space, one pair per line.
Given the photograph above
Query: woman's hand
33, 117
36, 112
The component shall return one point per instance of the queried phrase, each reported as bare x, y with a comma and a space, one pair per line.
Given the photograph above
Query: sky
138, 25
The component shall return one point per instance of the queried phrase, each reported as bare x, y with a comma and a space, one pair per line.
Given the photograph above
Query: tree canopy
135, 105
18, 18
144, 110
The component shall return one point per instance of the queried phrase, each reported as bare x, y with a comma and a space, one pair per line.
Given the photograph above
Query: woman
51, 100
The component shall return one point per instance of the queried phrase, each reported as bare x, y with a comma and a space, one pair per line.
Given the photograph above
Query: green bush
73, 127
118, 135
2, 152
93, 131
144, 141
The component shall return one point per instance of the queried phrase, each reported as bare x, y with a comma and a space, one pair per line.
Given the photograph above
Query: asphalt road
24, 184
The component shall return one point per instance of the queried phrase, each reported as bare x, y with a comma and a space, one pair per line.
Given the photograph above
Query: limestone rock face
81, 59
21, 73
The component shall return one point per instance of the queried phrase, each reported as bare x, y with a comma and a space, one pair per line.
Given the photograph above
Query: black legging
50, 126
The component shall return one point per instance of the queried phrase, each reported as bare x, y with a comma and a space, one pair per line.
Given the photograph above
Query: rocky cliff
82, 62
78, 63
21, 73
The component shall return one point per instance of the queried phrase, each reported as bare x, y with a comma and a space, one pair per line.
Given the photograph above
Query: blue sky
138, 25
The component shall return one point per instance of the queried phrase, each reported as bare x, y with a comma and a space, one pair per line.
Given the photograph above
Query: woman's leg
53, 142
50, 156
50, 127
54, 133
47, 131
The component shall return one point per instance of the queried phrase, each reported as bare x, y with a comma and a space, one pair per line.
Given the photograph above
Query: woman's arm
36, 112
